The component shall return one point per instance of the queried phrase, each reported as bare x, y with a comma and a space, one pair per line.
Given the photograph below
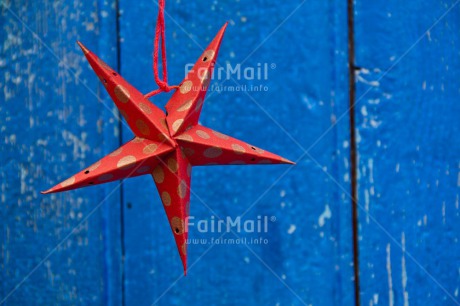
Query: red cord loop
160, 33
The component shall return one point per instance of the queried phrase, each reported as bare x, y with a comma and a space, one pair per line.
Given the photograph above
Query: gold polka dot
260, 151
182, 189
199, 104
122, 94
68, 182
185, 137
149, 149
126, 162
265, 161
166, 198
161, 137
208, 55
238, 149
143, 128
185, 106
163, 123
177, 225
145, 108
188, 151
158, 175
220, 135
103, 64
143, 169
124, 115
176, 125
186, 87
184, 248
172, 164
137, 140
202, 134
189, 170
94, 166
105, 177
212, 152
116, 152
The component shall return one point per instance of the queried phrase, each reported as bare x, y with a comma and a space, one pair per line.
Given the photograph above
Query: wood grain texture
52, 125
408, 149
309, 249
407, 130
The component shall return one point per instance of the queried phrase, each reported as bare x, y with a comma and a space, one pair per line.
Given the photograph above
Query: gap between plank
353, 149
120, 142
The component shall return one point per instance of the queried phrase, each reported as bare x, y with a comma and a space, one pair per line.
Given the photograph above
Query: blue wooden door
397, 64
407, 119
308, 256
64, 248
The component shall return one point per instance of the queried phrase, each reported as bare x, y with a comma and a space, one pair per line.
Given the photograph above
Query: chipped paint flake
403, 270
390, 279
325, 215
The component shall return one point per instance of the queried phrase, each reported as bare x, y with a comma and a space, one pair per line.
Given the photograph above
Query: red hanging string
160, 34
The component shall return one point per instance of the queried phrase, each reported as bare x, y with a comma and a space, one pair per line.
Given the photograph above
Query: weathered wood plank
309, 246
52, 125
407, 122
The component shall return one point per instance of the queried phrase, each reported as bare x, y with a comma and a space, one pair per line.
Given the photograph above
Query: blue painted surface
52, 125
408, 125
309, 256
116, 247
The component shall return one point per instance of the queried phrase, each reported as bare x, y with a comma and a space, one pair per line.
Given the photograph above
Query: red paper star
167, 145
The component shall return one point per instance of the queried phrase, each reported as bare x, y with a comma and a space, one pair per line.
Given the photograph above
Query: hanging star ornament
167, 146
